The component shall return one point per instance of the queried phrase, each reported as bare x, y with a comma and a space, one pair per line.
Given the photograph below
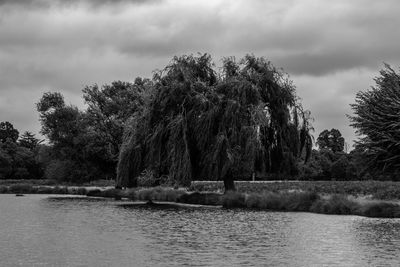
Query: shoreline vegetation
380, 199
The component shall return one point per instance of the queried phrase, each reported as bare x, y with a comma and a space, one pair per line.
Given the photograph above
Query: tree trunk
229, 184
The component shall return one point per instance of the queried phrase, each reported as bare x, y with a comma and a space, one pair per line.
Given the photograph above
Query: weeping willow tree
203, 124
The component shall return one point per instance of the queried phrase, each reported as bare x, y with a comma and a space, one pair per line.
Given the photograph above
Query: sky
330, 49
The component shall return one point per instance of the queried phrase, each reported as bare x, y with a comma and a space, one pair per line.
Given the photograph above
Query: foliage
339, 168
158, 194
336, 204
85, 144
67, 131
200, 123
60, 170
28, 140
331, 140
7, 131
17, 162
148, 179
110, 106
21, 188
60, 123
381, 210
376, 118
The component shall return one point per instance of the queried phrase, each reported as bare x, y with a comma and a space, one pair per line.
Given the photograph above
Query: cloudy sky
331, 49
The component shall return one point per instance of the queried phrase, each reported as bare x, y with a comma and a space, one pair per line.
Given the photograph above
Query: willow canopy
204, 124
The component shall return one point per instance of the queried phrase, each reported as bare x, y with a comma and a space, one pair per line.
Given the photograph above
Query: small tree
28, 140
331, 140
7, 131
377, 120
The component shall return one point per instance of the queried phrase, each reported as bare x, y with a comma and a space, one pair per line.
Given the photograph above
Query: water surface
40, 230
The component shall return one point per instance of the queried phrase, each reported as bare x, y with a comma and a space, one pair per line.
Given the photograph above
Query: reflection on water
42, 231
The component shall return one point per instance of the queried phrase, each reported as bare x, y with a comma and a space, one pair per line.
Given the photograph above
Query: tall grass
310, 202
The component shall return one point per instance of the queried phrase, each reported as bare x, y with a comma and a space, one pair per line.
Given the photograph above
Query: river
41, 230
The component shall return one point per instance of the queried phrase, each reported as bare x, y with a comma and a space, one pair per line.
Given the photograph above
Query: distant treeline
192, 121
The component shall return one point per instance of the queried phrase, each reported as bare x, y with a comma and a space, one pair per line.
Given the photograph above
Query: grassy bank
385, 190
271, 201
311, 202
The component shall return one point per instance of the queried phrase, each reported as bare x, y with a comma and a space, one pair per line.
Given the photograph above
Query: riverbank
319, 197
288, 201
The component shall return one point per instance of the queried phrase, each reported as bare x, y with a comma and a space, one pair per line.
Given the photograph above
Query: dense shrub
60, 190
381, 210
336, 204
3, 189
44, 190
77, 191
94, 193
298, 201
286, 201
111, 193
158, 193
233, 200
21, 189
131, 194
146, 179
339, 167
